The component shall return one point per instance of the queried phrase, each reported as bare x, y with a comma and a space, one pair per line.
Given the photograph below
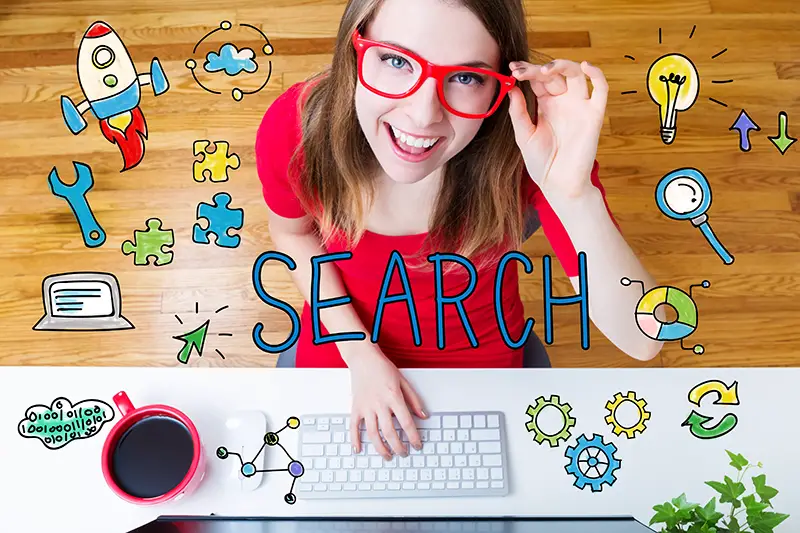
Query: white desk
64, 490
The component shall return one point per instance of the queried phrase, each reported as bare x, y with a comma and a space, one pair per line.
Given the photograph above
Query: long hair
478, 212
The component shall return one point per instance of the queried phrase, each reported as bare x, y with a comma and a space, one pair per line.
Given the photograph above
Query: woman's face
442, 34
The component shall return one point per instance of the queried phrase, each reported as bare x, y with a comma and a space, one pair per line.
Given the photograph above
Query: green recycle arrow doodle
695, 421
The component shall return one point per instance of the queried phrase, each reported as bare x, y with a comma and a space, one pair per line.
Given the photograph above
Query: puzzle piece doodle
215, 162
150, 243
221, 218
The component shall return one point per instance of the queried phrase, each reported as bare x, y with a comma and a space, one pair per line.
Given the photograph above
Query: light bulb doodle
651, 325
673, 83
271, 438
232, 60
684, 194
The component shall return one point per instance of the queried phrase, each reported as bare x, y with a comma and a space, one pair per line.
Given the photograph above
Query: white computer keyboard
463, 454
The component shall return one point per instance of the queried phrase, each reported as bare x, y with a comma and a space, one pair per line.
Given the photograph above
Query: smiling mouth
412, 145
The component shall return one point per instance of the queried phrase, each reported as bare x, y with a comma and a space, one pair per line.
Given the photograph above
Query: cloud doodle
61, 423
232, 60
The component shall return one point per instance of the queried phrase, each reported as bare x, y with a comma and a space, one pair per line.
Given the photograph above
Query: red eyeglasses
395, 72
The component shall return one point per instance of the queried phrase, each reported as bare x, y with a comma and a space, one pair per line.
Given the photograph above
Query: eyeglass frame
430, 70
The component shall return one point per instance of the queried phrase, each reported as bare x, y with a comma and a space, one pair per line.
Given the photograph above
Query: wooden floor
750, 315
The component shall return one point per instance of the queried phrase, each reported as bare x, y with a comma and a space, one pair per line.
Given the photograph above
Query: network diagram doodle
651, 325
232, 60
61, 422
673, 83
593, 462
215, 161
684, 194
195, 340
553, 438
642, 414
727, 395
220, 220
75, 195
112, 90
249, 469
150, 243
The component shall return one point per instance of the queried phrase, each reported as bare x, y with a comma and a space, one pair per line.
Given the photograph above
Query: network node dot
248, 469
290, 498
271, 438
706, 283
237, 94
268, 49
698, 349
222, 452
296, 468
293, 422
225, 25
625, 281
191, 64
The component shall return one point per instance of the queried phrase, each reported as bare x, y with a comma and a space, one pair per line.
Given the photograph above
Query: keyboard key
426, 474
305, 487
348, 462
397, 475
423, 486
316, 437
311, 450
362, 462
440, 474
418, 461
379, 486
344, 449
320, 463
364, 486
450, 421
327, 476
468, 473
428, 448
437, 485
349, 486
393, 486
454, 474
432, 461
311, 476
338, 437
489, 447
485, 434
493, 421
470, 447
449, 435
433, 421
334, 463
411, 474
435, 435
337, 420
322, 427
320, 487
456, 448
376, 461
460, 460
355, 476
482, 484
467, 485
442, 448
446, 461
497, 484
480, 421
341, 476
370, 476
307, 421
497, 473
462, 435
492, 460
465, 421
452, 484
409, 486
335, 486
474, 460
483, 473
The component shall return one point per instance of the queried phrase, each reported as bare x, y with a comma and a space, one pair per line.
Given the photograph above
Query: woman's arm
608, 260
295, 238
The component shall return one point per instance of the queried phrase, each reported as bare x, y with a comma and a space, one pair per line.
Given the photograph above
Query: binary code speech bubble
61, 423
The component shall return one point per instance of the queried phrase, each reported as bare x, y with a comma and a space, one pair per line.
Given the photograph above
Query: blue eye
395, 60
464, 78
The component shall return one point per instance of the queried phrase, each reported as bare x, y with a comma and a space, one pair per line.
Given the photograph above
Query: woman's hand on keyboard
380, 390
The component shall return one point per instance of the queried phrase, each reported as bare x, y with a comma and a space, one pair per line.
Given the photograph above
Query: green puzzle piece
149, 243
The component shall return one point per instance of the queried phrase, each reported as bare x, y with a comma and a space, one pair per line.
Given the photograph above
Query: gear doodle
271, 438
614, 404
592, 462
232, 60
539, 435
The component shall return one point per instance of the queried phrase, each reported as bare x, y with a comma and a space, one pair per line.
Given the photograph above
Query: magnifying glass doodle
684, 194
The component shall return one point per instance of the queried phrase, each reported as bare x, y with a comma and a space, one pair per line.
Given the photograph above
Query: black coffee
152, 457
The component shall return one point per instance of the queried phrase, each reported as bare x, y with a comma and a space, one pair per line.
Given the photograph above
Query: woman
384, 152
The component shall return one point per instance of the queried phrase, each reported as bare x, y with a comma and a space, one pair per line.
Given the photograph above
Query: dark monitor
215, 524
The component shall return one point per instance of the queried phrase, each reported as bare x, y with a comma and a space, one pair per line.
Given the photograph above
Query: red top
362, 274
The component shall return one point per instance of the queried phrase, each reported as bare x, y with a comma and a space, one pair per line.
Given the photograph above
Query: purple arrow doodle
744, 124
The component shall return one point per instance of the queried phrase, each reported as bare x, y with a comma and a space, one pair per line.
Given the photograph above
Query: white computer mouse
244, 435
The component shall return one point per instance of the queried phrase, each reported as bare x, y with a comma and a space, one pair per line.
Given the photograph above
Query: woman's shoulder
283, 114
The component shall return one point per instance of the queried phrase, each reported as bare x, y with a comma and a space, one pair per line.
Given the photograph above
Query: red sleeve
278, 136
554, 229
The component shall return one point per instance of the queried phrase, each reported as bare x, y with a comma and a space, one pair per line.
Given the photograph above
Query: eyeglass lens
394, 73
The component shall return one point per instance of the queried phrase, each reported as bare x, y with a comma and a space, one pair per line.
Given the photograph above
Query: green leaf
730, 490
733, 525
665, 513
709, 514
766, 522
762, 489
753, 507
737, 461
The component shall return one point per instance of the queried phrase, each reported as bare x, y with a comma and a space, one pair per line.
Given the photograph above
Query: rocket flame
128, 131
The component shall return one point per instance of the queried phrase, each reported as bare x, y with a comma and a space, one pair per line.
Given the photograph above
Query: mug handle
123, 403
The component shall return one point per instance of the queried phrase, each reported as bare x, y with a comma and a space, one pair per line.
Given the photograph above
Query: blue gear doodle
583, 462
271, 438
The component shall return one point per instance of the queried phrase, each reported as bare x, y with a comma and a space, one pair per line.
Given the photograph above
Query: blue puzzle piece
221, 218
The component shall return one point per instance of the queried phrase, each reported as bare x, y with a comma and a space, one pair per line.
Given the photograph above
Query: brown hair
479, 206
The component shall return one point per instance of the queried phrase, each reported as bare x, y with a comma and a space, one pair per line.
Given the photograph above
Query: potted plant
679, 515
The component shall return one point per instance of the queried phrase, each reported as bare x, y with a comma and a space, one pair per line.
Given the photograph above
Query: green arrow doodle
695, 421
194, 339
782, 141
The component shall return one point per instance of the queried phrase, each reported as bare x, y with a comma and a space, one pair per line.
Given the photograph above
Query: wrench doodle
75, 195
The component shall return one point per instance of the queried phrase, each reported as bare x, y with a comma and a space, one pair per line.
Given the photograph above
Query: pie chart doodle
661, 330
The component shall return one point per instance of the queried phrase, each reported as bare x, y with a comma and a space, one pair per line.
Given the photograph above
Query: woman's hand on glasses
559, 151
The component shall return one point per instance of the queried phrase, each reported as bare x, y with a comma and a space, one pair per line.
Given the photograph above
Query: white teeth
418, 142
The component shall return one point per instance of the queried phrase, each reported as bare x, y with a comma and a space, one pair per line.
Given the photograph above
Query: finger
390, 434
575, 78
599, 85
539, 89
520, 118
375, 437
412, 398
408, 424
539, 80
355, 434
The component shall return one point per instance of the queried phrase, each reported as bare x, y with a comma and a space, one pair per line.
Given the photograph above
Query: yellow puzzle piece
215, 162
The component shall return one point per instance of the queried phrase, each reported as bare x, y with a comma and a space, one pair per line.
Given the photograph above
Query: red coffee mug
130, 416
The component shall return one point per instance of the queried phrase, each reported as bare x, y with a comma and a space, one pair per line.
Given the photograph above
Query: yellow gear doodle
611, 419
541, 436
